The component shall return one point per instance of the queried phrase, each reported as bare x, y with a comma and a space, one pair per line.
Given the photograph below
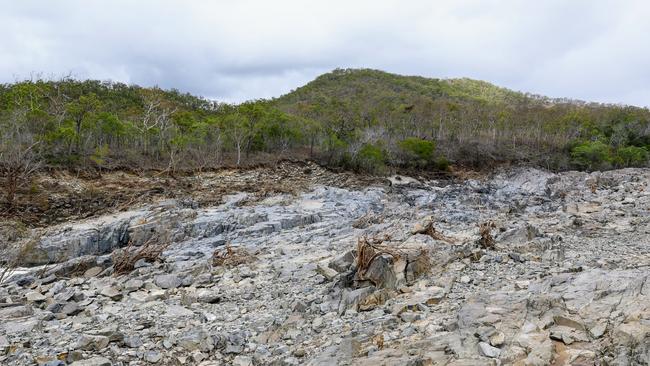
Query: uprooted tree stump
388, 266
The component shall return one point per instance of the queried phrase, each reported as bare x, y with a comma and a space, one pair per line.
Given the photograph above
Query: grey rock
133, 285
93, 361
71, 309
34, 296
111, 292
488, 351
133, 341
343, 263
153, 356
141, 263
16, 312
54, 363
92, 342
168, 281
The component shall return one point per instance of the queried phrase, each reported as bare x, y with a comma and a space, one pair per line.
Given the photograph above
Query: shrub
632, 156
591, 155
418, 151
442, 163
371, 158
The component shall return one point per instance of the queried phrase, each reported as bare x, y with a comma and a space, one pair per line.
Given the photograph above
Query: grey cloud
233, 51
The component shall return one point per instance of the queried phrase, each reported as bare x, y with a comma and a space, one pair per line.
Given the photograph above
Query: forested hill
469, 121
359, 119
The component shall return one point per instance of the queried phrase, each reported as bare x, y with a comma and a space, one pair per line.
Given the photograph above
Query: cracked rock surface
376, 275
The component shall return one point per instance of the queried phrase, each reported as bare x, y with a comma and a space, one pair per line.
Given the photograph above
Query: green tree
419, 152
591, 155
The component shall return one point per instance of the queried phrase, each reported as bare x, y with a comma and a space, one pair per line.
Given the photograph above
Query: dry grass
230, 256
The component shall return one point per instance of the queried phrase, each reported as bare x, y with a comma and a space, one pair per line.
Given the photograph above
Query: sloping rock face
386, 275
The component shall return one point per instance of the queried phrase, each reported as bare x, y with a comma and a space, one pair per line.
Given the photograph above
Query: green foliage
329, 119
632, 156
418, 151
592, 155
371, 158
100, 155
443, 164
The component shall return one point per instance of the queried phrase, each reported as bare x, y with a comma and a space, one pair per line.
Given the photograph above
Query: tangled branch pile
124, 260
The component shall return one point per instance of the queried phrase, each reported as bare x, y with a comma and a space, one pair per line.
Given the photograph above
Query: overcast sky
238, 50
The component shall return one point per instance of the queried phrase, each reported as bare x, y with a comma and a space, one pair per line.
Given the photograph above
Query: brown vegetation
230, 256
485, 230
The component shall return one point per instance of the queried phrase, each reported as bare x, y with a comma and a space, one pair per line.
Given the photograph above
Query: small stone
153, 356
465, 279
299, 352
74, 356
49, 279
71, 309
326, 272
133, 285
95, 361
93, 272
141, 263
343, 262
497, 339
54, 363
522, 285
133, 341
198, 356
409, 316
488, 351
168, 281
35, 296
317, 323
26, 281
90, 342
598, 330
208, 296
299, 307
111, 292
242, 361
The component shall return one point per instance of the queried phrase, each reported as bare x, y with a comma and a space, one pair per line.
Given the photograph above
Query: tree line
365, 120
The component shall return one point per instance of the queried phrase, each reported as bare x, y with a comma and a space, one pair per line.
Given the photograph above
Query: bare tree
239, 133
156, 115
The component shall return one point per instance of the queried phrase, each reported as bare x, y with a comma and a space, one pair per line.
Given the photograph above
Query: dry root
432, 232
230, 256
485, 230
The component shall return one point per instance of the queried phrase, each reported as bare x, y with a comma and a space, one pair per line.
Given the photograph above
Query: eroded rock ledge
399, 275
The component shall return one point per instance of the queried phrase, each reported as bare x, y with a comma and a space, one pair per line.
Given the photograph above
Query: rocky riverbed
523, 267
